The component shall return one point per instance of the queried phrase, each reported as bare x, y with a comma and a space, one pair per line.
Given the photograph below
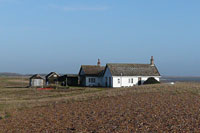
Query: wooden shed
36, 81
52, 78
69, 80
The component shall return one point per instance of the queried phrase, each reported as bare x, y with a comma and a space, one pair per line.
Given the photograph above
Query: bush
151, 80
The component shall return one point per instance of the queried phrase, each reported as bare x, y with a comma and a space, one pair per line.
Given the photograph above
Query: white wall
37, 82
124, 80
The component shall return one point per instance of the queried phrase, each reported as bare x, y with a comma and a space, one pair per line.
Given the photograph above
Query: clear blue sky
39, 36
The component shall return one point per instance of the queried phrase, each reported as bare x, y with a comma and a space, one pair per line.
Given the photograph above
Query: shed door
38, 82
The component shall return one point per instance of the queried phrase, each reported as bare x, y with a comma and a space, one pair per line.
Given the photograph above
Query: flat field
151, 108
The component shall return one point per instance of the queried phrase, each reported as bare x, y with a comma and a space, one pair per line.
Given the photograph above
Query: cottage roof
133, 70
92, 70
36, 76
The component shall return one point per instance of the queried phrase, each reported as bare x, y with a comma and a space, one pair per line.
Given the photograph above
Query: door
139, 81
106, 82
82, 80
109, 81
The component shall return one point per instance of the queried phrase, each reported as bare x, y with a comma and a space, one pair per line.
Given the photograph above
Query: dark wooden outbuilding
69, 80
52, 78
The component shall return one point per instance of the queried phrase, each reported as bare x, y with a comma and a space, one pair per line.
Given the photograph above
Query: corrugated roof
92, 70
133, 70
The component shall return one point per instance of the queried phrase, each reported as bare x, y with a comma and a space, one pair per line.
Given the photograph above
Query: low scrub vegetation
151, 81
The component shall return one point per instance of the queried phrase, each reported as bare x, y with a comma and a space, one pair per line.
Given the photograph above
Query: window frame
119, 81
132, 80
92, 80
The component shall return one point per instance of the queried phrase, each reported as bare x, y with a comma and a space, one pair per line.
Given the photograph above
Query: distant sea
166, 79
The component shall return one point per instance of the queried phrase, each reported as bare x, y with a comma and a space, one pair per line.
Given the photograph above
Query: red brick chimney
152, 61
99, 62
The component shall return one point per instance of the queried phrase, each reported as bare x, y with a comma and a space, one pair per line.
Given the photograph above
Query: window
132, 80
139, 81
92, 80
129, 80
118, 81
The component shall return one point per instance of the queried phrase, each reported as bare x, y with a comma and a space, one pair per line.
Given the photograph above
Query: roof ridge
93, 65
128, 64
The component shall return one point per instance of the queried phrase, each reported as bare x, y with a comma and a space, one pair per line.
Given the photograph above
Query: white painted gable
82, 72
106, 77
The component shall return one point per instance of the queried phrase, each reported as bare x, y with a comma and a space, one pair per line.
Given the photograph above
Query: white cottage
126, 75
118, 75
91, 75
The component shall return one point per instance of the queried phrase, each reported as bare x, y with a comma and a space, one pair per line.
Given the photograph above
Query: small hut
52, 78
36, 81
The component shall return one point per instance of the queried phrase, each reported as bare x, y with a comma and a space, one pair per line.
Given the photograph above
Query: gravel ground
141, 112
